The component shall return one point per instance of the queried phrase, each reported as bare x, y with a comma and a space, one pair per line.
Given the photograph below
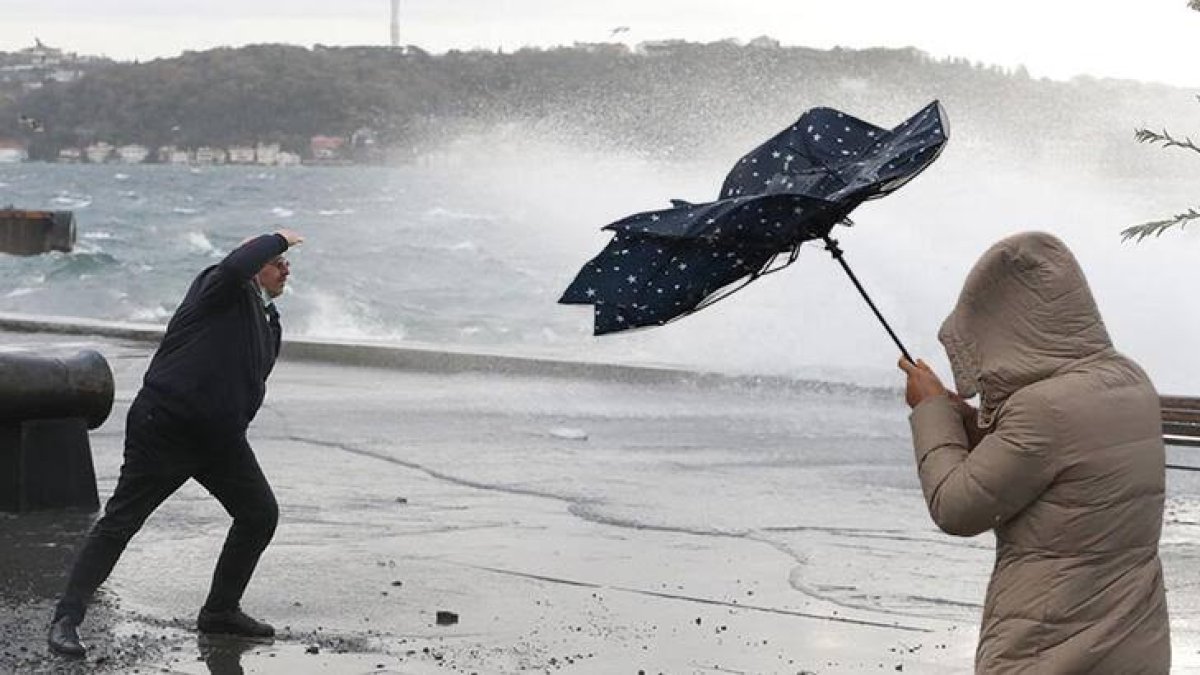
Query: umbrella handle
831, 245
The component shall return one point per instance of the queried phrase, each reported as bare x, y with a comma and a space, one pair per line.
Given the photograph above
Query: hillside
674, 99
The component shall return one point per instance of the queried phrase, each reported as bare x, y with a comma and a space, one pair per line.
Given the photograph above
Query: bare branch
1157, 227
1194, 4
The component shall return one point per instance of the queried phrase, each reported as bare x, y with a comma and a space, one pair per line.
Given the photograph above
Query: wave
442, 213
200, 242
156, 315
70, 200
81, 265
332, 316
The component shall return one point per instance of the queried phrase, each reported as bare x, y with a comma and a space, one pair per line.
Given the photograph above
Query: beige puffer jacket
1070, 475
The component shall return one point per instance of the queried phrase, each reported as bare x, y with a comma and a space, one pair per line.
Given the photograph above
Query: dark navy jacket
210, 371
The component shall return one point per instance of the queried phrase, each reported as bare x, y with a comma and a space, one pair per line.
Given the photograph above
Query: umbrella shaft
832, 246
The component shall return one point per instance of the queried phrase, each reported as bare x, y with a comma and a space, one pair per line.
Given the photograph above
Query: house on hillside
132, 153
326, 148
241, 154
32, 67
266, 154
209, 155
98, 153
12, 151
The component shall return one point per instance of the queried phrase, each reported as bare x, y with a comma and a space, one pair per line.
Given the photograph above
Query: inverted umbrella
661, 265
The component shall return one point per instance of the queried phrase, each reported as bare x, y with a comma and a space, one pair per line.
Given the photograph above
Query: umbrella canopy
661, 265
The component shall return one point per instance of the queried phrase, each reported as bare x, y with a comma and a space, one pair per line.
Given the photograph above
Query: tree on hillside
1156, 227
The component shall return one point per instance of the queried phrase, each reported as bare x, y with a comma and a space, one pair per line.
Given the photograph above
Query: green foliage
678, 99
1157, 227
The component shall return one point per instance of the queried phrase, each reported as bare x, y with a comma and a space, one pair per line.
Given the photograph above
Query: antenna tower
395, 23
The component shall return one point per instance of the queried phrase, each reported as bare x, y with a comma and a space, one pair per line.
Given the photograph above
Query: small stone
445, 618
313, 649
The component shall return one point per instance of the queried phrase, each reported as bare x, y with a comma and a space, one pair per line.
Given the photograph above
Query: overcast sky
1141, 39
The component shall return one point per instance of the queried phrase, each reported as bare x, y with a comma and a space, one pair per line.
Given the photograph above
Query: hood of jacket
1025, 312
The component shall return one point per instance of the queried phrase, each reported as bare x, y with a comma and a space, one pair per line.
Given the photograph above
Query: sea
472, 246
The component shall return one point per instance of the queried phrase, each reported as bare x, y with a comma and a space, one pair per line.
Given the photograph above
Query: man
1063, 460
204, 386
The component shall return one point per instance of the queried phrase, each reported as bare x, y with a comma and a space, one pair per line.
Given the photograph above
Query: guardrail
1181, 420
1181, 425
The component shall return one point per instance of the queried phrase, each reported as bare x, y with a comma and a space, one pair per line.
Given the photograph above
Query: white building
133, 154
64, 75
70, 155
288, 159
241, 154
267, 154
179, 156
207, 155
12, 152
98, 153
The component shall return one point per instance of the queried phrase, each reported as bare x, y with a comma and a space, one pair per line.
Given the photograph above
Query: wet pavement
574, 525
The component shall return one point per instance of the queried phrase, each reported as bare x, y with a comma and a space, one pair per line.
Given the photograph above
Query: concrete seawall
420, 357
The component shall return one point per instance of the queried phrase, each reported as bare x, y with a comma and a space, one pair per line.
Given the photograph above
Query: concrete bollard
36, 232
47, 406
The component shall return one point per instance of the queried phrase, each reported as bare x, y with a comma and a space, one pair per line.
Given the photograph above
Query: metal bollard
47, 406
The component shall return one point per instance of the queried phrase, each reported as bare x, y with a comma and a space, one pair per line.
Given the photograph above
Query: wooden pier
36, 232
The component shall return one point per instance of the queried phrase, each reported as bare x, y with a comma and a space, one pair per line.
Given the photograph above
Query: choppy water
473, 248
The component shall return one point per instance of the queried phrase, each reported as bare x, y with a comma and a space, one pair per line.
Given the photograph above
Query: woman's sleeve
972, 491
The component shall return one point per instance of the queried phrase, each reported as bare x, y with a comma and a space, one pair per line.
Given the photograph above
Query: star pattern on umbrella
793, 188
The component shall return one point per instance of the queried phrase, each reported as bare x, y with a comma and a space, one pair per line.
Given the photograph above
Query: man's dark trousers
161, 454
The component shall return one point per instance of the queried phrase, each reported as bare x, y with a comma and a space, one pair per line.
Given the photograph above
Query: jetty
25, 232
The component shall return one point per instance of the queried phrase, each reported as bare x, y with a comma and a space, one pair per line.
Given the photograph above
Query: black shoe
64, 638
233, 622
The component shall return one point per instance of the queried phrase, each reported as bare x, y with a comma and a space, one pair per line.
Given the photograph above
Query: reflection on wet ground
222, 654
36, 548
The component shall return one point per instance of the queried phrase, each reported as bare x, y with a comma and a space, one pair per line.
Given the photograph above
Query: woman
1063, 460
